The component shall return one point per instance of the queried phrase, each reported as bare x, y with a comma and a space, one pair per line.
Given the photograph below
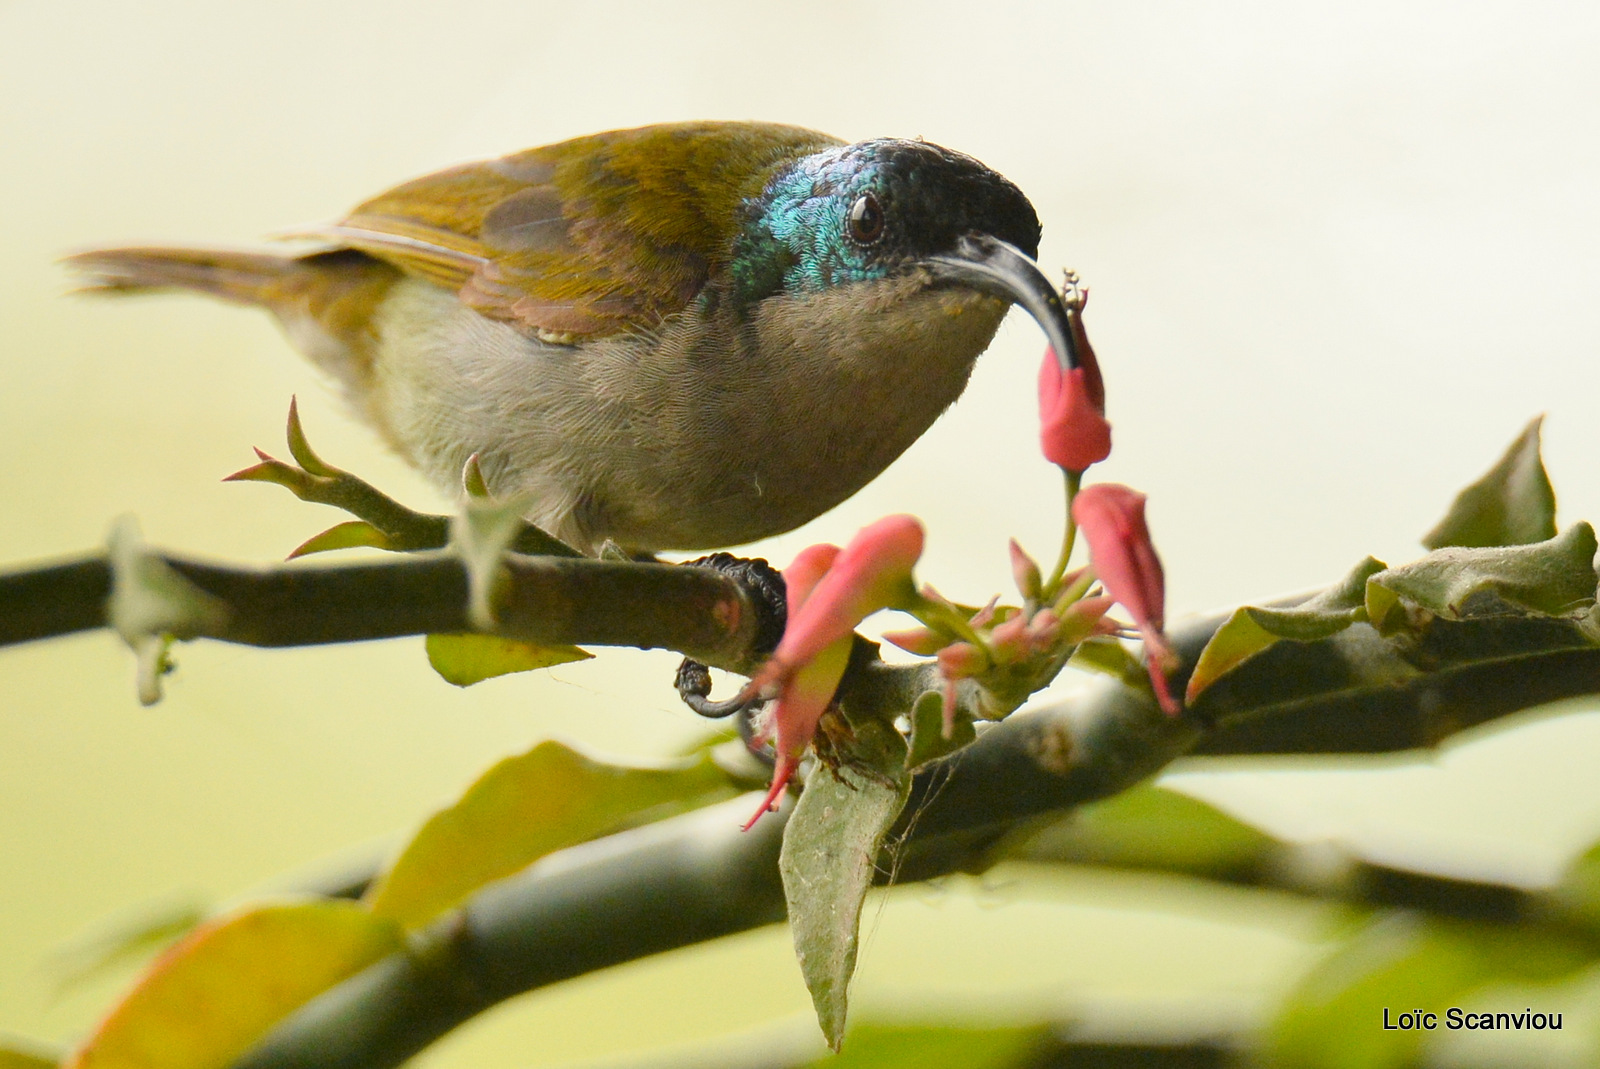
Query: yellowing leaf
141, 936
472, 658
526, 807
212, 996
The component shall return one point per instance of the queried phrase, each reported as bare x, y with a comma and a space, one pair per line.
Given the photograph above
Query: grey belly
679, 439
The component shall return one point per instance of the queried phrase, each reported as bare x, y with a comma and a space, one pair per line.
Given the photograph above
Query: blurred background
1339, 255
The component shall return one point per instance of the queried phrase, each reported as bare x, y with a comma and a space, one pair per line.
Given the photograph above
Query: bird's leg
765, 585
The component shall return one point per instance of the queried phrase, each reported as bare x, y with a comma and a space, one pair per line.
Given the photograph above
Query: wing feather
588, 237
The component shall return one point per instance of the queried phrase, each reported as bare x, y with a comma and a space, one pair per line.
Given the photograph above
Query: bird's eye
866, 220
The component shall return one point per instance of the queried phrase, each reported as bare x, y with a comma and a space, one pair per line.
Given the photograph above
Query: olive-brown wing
587, 237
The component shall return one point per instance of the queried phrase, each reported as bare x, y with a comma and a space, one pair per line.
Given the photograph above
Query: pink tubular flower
1112, 519
829, 592
873, 572
805, 696
1073, 432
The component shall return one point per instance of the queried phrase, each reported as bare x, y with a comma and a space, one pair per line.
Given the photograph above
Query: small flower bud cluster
999, 637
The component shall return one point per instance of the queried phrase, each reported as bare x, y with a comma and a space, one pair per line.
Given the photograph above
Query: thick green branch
547, 600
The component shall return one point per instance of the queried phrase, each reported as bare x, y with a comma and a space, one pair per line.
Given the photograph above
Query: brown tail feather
241, 277
325, 300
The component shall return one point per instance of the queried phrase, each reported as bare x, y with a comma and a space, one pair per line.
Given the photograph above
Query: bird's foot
693, 681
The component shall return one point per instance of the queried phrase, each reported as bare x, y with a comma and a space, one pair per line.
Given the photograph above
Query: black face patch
931, 196
869, 211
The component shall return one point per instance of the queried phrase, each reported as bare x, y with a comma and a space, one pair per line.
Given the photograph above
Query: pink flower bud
1009, 640
829, 591
960, 660
1042, 631
1085, 618
922, 641
1025, 572
1112, 519
947, 710
957, 661
982, 617
873, 572
1073, 432
806, 695
1068, 582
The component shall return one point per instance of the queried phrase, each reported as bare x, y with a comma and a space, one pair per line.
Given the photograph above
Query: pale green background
1339, 254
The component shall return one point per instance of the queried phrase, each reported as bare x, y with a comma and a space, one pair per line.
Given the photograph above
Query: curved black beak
996, 267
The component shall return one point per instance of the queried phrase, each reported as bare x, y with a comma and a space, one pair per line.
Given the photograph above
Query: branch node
151, 605
480, 534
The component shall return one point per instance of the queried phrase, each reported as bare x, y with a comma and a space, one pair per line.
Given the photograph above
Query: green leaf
347, 535
1252, 630
1553, 578
829, 857
927, 732
25, 1054
1512, 505
1334, 1018
472, 658
472, 480
300, 447
915, 1046
526, 807
1108, 656
211, 997
1152, 827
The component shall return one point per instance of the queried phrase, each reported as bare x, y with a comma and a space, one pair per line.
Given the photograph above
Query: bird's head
891, 209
